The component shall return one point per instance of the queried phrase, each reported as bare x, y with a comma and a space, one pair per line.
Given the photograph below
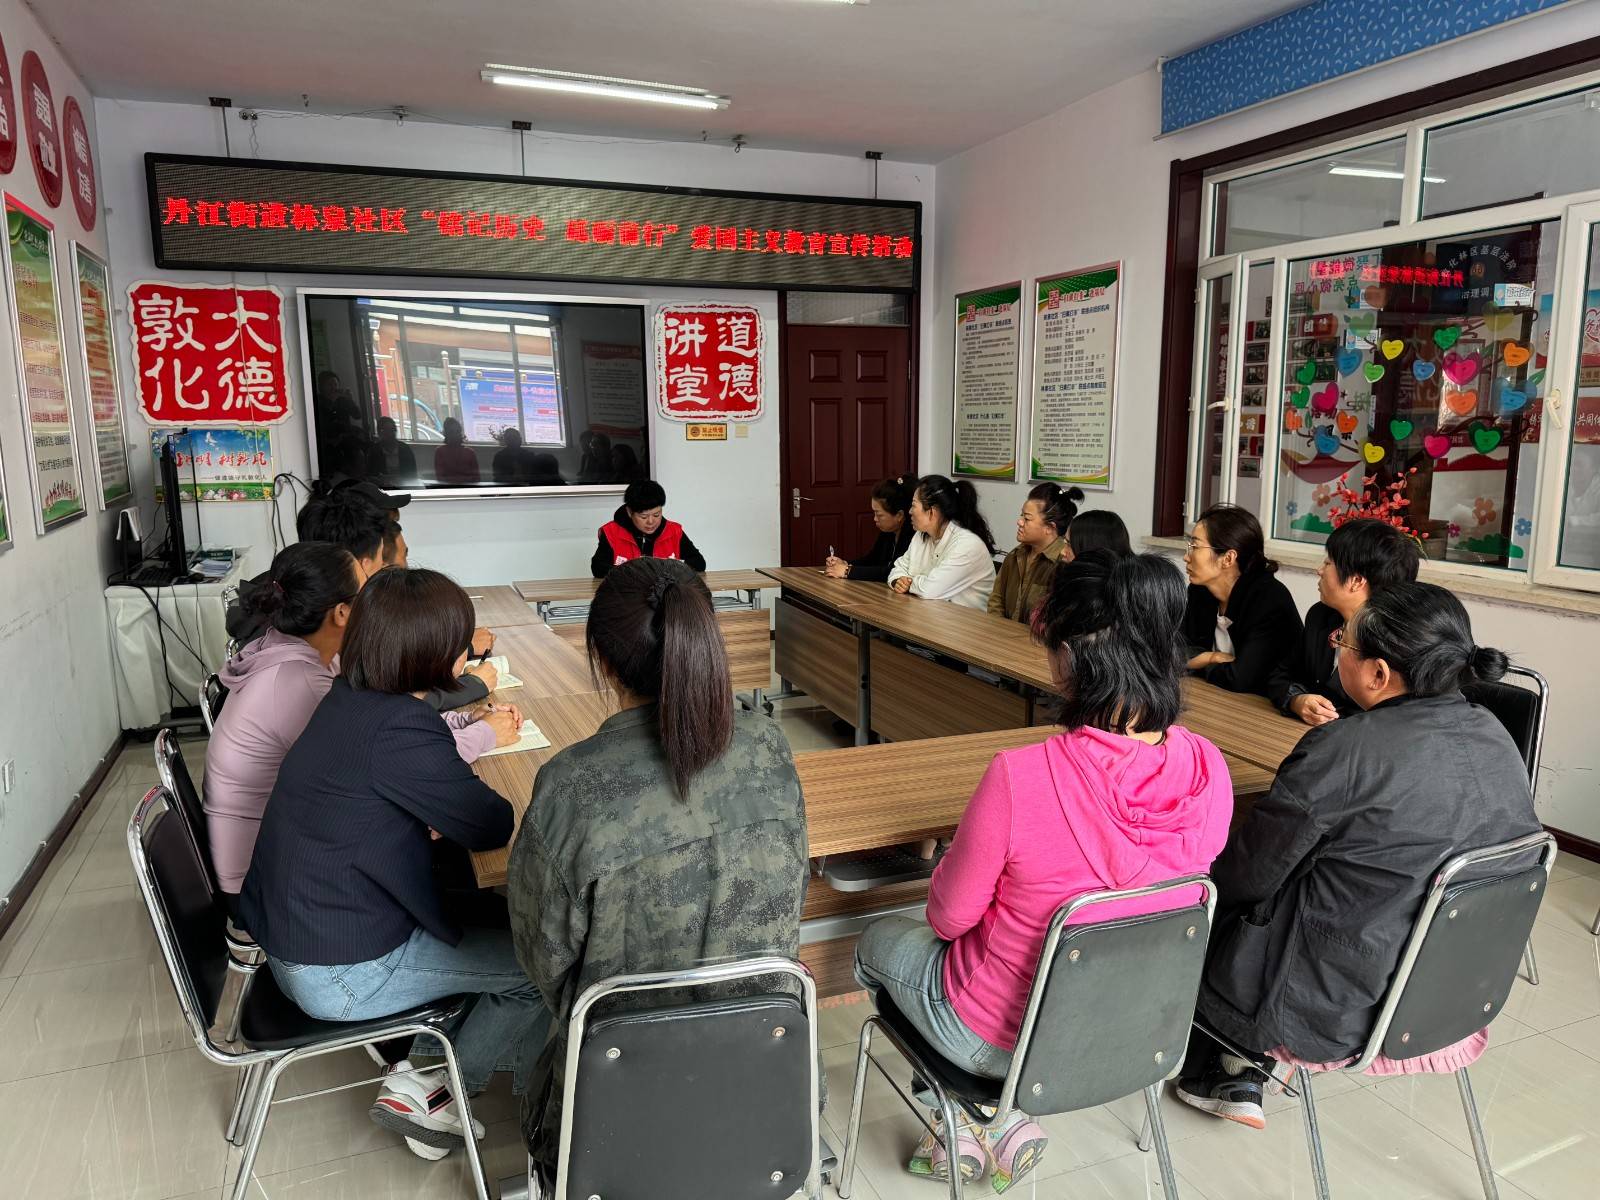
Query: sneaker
1232, 1097
419, 1106
431, 1153
1014, 1150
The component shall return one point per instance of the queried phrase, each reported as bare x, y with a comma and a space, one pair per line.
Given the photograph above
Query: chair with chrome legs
1454, 976
212, 697
1522, 711
1108, 1015
271, 1034
652, 1095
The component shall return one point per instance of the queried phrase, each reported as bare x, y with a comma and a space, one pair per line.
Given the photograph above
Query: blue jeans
503, 1030
905, 958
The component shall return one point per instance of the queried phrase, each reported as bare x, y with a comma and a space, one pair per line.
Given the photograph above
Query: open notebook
502, 665
531, 739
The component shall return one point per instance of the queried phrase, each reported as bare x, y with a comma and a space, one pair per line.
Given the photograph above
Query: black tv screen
476, 393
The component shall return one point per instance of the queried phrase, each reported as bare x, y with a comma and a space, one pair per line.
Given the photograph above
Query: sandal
1014, 1150
930, 1160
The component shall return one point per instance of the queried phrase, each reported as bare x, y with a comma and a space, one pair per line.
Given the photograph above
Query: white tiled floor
102, 1094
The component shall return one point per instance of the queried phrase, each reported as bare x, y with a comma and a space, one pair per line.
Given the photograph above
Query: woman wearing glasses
1241, 624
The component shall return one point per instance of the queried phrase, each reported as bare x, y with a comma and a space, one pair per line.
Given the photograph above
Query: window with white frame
1445, 354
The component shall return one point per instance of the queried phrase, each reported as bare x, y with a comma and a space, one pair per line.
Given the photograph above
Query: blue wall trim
1311, 45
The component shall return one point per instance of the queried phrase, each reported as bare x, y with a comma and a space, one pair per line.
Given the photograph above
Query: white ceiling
918, 79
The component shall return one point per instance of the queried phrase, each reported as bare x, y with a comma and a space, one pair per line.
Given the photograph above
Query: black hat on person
371, 491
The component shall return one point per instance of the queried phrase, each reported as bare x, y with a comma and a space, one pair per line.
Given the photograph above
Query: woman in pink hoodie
275, 682
1122, 799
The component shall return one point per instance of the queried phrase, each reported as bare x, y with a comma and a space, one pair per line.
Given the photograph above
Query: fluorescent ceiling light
409, 304
602, 85
1378, 173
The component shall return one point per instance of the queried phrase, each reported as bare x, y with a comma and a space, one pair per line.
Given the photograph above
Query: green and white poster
100, 376
46, 403
988, 362
1074, 376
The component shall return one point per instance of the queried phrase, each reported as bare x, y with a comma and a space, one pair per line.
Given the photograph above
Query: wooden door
847, 425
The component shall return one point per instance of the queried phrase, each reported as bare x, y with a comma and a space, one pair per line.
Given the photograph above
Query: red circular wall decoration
8, 114
80, 162
44, 136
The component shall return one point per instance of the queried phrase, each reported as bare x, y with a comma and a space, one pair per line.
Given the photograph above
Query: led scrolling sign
232, 214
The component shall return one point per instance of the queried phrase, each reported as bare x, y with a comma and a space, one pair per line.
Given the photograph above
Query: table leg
864, 684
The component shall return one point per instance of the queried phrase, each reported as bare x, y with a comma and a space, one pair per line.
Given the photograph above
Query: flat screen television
476, 393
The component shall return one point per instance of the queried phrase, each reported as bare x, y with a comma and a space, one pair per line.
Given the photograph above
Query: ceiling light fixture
1378, 173
602, 85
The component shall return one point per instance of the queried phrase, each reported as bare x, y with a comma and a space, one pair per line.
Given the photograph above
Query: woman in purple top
275, 682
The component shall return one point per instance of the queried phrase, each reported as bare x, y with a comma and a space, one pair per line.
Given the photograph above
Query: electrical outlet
8, 776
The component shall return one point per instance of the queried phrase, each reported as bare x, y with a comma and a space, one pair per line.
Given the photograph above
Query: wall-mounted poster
709, 362
613, 376
46, 403
101, 379
209, 353
1074, 376
218, 464
988, 359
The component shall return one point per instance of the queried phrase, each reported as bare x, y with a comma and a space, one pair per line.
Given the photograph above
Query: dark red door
846, 426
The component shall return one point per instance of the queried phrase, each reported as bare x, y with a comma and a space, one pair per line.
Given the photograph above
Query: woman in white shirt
952, 555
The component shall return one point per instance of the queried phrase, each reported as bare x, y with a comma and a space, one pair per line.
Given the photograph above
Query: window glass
1339, 193
1253, 393
1580, 521
1422, 361
477, 392
849, 308
1549, 148
1214, 387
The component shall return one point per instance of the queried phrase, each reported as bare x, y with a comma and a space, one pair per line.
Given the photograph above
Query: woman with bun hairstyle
1025, 576
952, 555
1122, 798
1241, 623
890, 500
275, 683
1320, 885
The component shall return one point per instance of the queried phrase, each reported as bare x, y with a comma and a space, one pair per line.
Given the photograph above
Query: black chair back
175, 777
189, 920
1520, 709
1465, 949
1111, 1010
212, 697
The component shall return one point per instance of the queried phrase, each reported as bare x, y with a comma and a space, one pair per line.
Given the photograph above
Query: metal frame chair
1383, 1040
694, 977
212, 696
1063, 944
264, 1063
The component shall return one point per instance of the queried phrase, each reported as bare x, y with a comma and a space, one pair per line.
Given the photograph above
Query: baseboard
58, 836
1571, 843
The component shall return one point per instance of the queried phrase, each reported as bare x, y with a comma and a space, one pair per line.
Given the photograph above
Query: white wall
58, 713
726, 493
1088, 185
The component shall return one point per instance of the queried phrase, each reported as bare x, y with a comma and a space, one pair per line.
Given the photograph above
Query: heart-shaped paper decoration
1292, 420
1485, 439
1446, 337
1300, 397
1362, 323
1345, 421
1347, 360
1461, 403
1306, 371
1461, 370
1373, 372
1326, 400
1327, 443
1377, 297
1372, 453
1423, 370
1512, 399
1517, 355
1436, 444
1393, 349
1400, 430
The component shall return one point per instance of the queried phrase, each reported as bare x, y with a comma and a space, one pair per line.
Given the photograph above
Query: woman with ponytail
1025, 576
890, 500
1122, 798
952, 555
1320, 885
675, 835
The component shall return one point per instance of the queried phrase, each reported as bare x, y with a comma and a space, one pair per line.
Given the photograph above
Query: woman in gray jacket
1320, 885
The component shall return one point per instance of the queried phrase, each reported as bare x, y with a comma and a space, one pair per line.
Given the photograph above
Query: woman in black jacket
341, 892
1320, 885
1241, 623
891, 504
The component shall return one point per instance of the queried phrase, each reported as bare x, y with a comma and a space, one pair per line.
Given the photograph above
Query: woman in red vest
638, 530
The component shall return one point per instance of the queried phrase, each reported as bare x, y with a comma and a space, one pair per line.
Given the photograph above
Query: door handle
797, 497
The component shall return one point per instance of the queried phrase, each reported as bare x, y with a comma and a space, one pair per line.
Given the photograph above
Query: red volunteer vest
625, 549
